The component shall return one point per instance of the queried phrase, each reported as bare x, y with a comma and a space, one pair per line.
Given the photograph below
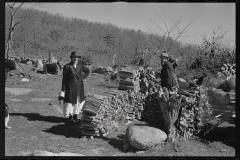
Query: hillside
41, 32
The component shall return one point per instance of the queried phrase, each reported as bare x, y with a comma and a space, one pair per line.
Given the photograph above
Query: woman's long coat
167, 78
72, 82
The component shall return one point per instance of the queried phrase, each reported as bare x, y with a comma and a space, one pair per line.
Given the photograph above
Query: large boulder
220, 98
214, 80
183, 84
225, 86
229, 84
232, 82
144, 137
232, 95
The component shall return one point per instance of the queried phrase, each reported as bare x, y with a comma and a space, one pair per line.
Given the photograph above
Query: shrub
210, 56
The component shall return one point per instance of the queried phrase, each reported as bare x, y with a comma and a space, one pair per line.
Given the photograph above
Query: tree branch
164, 23
18, 8
159, 27
189, 36
181, 33
175, 24
16, 25
10, 5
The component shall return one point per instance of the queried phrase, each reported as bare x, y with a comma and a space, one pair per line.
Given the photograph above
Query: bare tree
12, 24
172, 33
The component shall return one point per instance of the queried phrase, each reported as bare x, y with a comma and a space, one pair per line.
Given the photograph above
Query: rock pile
221, 88
25, 60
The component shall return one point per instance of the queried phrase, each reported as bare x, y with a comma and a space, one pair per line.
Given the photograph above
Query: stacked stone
129, 78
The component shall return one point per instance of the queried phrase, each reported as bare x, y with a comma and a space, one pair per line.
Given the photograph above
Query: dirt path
18, 91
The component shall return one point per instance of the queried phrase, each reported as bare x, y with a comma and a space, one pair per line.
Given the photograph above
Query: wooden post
114, 58
50, 57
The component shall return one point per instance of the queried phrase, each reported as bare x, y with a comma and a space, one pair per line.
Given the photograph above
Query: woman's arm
86, 71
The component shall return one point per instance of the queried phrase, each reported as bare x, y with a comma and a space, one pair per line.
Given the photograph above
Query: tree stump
170, 107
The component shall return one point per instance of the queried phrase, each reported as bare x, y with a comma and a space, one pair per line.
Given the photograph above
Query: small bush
210, 56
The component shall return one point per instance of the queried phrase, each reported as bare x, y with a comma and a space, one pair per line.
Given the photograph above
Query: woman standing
74, 74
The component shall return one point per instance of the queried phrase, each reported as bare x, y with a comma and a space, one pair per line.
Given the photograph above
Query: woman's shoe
70, 119
75, 118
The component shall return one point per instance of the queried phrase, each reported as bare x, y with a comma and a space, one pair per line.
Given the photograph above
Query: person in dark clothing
74, 74
173, 62
167, 78
9, 66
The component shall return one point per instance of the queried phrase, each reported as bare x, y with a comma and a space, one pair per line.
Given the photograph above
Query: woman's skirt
71, 109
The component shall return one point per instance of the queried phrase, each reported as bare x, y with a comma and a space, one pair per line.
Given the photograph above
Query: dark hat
75, 54
164, 54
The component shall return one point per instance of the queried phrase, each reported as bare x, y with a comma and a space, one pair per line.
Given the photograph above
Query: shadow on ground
38, 117
67, 130
225, 135
115, 142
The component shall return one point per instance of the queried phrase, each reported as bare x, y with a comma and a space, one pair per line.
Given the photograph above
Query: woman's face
75, 60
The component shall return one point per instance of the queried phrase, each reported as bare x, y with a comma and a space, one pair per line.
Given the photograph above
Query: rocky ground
38, 125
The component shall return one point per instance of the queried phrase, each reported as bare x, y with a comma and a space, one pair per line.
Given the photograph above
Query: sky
146, 17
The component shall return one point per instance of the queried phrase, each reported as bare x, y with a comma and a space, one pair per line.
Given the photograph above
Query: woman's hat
75, 54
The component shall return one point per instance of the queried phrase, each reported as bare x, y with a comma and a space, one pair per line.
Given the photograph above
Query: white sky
139, 16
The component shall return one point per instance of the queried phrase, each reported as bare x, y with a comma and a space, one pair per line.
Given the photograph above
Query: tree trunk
10, 34
11, 26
